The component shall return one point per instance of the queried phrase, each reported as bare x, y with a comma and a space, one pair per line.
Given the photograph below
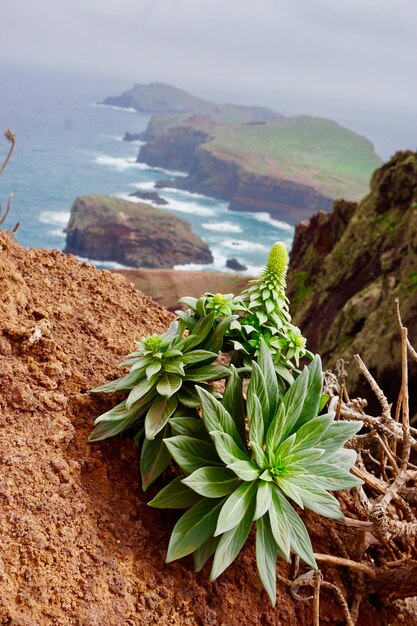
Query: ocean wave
192, 208
107, 265
243, 245
219, 265
190, 194
112, 106
56, 232
119, 163
223, 227
146, 185
156, 168
56, 218
265, 217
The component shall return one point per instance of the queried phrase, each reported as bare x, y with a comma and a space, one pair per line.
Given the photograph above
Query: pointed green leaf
214, 341
257, 388
233, 402
300, 540
313, 431
231, 543
276, 430
176, 495
153, 369
294, 400
174, 367
191, 453
198, 356
266, 556
207, 373
263, 498
189, 426
204, 552
235, 507
154, 458
313, 395
140, 390
227, 449
168, 384
212, 482
246, 470
200, 332
256, 420
158, 414
217, 418
194, 528
338, 433
332, 477
279, 525
267, 367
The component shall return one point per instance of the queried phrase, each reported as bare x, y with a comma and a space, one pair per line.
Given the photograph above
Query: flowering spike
277, 265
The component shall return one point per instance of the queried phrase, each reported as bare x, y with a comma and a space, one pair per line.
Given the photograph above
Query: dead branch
337, 560
10, 136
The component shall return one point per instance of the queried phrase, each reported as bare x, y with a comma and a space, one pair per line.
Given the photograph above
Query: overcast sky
325, 57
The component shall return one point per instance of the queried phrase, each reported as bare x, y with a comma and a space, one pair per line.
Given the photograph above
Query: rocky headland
348, 267
290, 168
132, 233
161, 98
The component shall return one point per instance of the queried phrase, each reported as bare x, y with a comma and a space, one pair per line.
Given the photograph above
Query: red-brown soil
79, 546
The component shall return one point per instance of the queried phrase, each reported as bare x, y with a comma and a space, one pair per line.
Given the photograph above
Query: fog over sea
67, 146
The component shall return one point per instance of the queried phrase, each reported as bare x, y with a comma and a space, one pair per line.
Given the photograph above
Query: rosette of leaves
234, 478
161, 382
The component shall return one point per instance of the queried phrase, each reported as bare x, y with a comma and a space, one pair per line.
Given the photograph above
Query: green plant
235, 478
161, 382
243, 459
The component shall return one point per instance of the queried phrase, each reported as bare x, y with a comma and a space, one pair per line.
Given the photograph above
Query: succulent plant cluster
244, 458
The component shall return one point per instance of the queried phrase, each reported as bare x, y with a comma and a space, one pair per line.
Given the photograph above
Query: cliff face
347, 268
135, 234
260, 182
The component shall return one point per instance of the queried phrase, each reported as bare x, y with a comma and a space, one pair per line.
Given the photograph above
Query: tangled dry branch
383, 510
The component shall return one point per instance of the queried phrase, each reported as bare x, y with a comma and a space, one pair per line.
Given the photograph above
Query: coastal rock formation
347, 268
149, 195
109, 229
234, 164
162, 98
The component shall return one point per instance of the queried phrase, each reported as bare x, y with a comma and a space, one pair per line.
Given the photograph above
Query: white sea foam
56, 218
218, 265
222, 227
56, 232
265, 217
187, 194
113, 106
243, 245
156, 168
109, 265
192, 208
119, 163
145, 185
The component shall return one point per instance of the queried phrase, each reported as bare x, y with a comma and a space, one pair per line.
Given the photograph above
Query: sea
67, 145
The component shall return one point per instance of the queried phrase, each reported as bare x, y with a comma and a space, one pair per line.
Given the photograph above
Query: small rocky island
134, 234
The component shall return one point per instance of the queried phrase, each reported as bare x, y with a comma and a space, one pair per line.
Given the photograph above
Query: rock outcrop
134, 234
162, 98
347, 268
223, 164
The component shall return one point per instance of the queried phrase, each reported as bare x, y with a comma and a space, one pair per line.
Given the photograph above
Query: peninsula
253, 157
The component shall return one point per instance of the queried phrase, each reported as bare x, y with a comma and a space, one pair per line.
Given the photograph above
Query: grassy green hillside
308, 150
